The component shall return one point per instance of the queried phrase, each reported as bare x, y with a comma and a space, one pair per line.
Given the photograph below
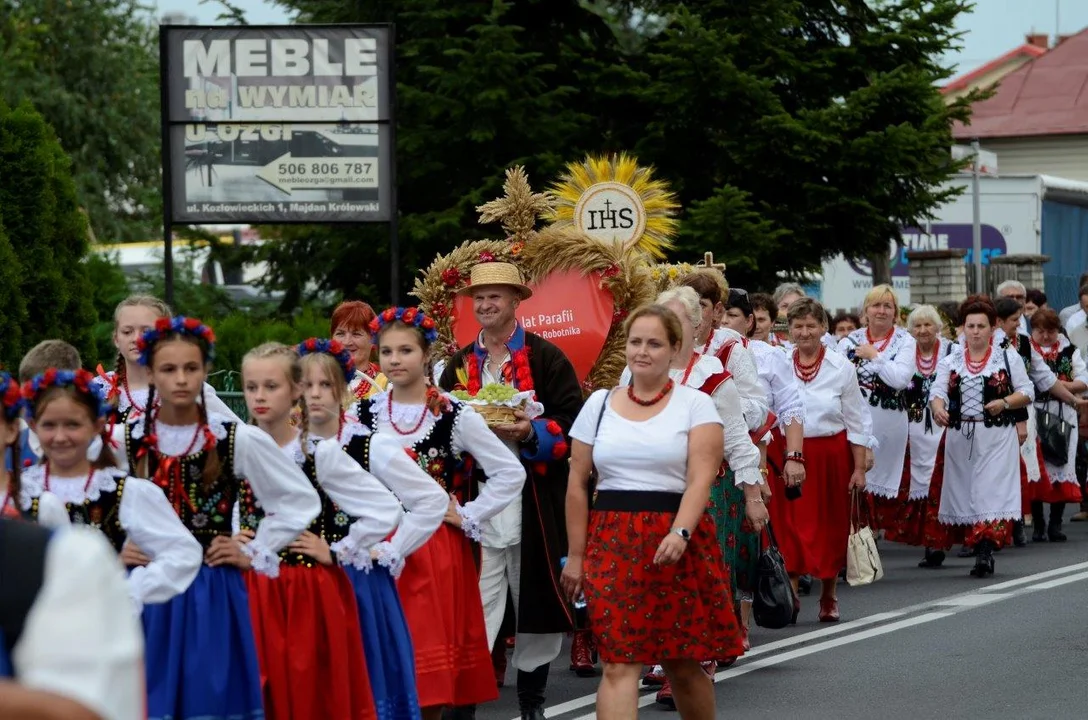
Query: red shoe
747, 645
664, 696
829, 610
654, 678
583, 656
709, 667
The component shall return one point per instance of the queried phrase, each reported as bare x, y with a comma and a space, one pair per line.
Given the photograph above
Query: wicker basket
497, 414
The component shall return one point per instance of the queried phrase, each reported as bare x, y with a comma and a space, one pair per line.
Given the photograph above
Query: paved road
918, 644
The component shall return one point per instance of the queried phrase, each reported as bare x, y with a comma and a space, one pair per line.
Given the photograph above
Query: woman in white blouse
439, 586
919, 508
884, 355
654, 579
976, 388
1067, 364
838, 430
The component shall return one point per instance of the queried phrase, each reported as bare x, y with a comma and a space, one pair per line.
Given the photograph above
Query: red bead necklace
883, 344
808, 373
1049, 354
687, 371
706, 345
975, 367
652, 401
926, 366
416, 427
86, 485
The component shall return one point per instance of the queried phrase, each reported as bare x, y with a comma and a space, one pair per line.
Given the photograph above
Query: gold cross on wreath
708, 262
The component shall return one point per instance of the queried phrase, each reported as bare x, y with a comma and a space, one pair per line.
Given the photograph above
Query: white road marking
937, 610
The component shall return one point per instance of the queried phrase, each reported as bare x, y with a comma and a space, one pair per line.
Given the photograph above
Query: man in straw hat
524, 556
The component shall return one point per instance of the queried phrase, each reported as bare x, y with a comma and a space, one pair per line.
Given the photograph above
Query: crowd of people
366, 545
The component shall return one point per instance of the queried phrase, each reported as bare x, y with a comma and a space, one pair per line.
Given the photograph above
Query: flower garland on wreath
624, 273
81, 380
311, 346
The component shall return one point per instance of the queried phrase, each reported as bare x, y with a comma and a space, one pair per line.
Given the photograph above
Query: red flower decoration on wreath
451, 277
486, 257
439, 310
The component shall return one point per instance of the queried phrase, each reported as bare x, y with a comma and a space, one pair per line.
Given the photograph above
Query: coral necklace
808, 373
416, 427
687, 371
883, 344
652, 401
926, 366
86, 485
975, 367
1049, 354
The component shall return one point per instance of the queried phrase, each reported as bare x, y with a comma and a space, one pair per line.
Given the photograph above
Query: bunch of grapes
496, 393
462, 395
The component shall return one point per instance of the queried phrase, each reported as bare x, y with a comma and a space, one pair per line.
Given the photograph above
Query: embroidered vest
204, 511
103, 514
331, 523
1062, 366
878, 392
433, 452
994, 387
916, 396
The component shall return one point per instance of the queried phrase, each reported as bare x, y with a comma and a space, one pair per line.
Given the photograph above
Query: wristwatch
683, 532
1006, 401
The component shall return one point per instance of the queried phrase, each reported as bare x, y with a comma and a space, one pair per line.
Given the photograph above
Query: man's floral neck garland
516, 373
81, 380
164, 327
329, 347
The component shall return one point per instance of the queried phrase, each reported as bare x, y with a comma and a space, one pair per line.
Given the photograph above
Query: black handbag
1055, 434
773, 598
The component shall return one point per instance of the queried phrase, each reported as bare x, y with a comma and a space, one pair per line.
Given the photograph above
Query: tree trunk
882, 270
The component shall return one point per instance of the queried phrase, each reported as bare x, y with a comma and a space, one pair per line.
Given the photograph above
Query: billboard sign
277, 124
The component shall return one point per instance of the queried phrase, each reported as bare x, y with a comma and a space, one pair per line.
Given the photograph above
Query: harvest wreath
623, 273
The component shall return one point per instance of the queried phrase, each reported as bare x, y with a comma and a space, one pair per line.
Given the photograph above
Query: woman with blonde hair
883, 355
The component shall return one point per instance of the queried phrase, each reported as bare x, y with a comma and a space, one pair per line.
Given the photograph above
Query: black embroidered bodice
206, 512
873, 388
1061, 366
966, 403
433, 452
102, 514
331, 524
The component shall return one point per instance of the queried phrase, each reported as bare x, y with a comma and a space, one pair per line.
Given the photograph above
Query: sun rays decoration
612, 199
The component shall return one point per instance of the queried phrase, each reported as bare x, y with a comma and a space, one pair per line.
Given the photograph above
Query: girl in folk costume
838, 429
646, 554
919, 502
439, 584
350, 326
305, 620
737, 488
16, 499
201, 655
884, 356
976, 387
128, 384
1067, 364
324, 369
68, 413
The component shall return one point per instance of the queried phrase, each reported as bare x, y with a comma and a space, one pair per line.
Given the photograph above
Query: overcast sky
994, 28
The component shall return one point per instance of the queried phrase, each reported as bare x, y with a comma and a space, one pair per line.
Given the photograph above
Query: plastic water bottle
580, 603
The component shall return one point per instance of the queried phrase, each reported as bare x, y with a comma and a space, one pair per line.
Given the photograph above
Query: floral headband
409, 316
178, 325
11, 394
81, 380
329, 347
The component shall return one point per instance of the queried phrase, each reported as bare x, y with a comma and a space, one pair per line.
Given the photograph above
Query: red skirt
640, 612
779, 508
1040, 490
440, 593
820, 518
306, 626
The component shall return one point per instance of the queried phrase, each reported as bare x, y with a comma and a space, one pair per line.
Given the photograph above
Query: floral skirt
740, 545
640, 612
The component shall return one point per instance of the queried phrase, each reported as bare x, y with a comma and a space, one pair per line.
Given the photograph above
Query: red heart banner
568, 309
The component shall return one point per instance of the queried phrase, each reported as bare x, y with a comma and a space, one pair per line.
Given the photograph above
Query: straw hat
496, 273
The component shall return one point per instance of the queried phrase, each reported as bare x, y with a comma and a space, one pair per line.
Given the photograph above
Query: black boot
984, 560
1054, 529
531, 687
1038, 522
932, 559
1019, 539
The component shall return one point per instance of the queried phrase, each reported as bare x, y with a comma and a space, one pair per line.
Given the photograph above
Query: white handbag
863, 565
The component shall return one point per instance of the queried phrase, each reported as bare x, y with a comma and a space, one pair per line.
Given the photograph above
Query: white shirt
1038, 371
283, 490
743, 369
895, 365
147, 519
80, 640
833, 402
647, 455
1067, 313
779, 382
741, 454
378, 501
505, 473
